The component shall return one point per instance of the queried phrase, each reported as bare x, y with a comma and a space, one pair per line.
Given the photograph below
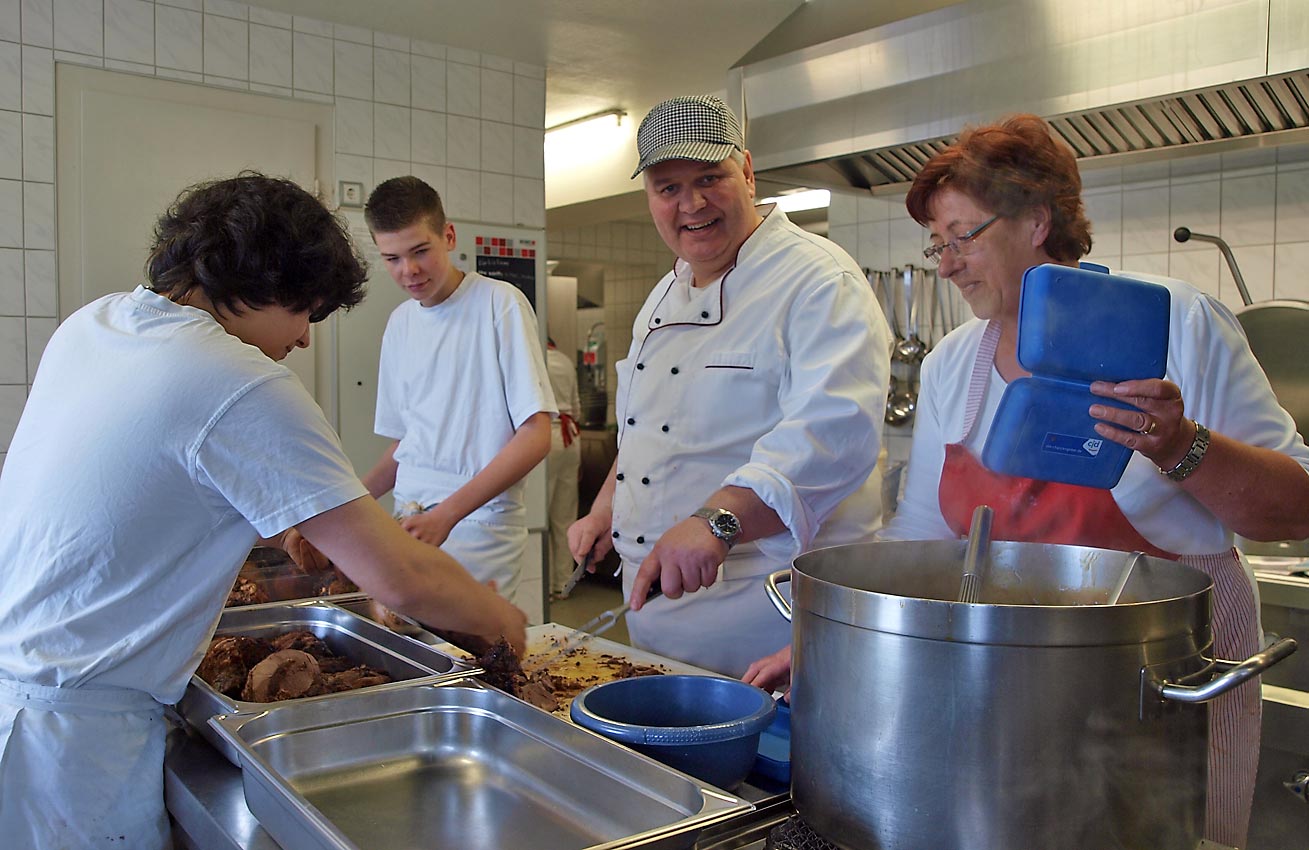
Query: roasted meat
261, 670
286, 674
228, 661
246, 592
303, 640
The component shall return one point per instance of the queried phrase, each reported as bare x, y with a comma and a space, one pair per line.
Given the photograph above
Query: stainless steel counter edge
206, 800
1288, 591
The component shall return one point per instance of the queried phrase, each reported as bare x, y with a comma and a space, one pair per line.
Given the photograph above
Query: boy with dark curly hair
161, 439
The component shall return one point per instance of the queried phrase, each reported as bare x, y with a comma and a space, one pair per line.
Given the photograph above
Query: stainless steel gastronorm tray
457, 766
362, 604
273, 572
345, 633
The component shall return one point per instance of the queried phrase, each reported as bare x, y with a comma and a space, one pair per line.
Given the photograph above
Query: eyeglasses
961, 245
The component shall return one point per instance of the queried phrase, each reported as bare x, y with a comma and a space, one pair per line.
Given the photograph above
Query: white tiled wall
634, 259
1258, 201
470, 124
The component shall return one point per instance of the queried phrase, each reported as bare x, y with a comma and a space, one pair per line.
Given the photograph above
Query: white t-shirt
454, 383
563, 381
1222, 387
152, 449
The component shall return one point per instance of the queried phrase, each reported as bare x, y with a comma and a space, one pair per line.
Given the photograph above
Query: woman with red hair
1213, 452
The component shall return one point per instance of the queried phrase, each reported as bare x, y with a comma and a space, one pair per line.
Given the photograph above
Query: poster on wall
508, 259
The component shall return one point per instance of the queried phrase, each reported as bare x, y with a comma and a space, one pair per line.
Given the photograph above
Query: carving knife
597, 625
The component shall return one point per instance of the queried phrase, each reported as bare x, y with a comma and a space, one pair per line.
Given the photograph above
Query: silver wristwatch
723, 523
1193, 455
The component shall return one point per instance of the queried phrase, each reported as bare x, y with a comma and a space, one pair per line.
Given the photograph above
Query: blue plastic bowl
705, 726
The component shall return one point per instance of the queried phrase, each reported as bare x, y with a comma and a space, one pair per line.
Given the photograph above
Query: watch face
727, 525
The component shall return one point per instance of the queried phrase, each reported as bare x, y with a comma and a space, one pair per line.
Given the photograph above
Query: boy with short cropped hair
462, 391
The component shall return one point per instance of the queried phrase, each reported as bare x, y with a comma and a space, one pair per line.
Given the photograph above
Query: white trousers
81, 768
561, 468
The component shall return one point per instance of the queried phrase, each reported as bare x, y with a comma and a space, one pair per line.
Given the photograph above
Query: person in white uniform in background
160, 441
562, 464
749, 405
462, 391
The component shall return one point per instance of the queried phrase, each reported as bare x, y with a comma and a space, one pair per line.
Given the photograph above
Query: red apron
1034, 511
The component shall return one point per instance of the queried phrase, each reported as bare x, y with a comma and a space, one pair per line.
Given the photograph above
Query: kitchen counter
1284, 610
207, 803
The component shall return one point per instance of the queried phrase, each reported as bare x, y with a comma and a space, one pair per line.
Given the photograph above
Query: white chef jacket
772, 378
563, 381
1222, 386
153, 447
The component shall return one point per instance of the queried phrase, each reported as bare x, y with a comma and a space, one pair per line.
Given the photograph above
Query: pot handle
1233, 674
775, 596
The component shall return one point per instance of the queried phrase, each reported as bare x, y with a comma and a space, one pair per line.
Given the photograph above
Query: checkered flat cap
699, 128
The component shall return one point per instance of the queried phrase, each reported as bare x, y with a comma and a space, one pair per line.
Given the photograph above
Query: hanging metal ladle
901, 402
911, 348
900, 398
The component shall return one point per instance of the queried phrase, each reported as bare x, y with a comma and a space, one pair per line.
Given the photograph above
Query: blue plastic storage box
1075, 326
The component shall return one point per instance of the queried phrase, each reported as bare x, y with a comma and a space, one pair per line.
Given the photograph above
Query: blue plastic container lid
1075, 326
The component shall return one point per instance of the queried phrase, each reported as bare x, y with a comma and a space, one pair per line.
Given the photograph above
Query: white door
359, 341
127, 145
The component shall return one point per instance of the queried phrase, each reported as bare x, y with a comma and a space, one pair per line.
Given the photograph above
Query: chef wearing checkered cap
749, 405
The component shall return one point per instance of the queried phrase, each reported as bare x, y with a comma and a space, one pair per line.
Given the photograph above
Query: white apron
723, 627
489, 551
81, 768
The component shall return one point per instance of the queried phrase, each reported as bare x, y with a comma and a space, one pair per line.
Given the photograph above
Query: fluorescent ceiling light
602, 121
796, 200
574, 143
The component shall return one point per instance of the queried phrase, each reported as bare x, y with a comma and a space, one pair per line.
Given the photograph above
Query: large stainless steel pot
1041, 717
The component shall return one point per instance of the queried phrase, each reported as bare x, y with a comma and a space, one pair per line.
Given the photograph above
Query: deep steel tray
345, 633
457, 765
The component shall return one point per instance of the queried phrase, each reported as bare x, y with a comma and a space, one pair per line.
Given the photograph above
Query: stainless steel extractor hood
1120, 80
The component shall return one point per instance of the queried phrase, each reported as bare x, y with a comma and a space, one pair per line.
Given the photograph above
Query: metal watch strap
711, 515
1193, 455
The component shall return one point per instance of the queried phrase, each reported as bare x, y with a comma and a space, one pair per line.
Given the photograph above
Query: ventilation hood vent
1140, 81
